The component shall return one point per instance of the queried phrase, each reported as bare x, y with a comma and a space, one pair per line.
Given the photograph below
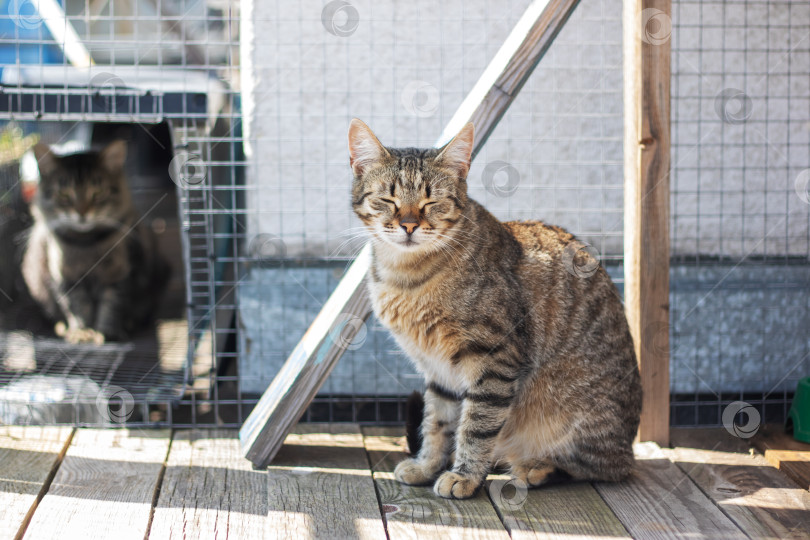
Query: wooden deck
336, 481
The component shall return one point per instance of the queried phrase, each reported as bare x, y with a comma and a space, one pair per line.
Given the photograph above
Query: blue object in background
24, 36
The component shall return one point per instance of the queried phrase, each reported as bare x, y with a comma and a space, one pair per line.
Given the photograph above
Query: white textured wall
404, 70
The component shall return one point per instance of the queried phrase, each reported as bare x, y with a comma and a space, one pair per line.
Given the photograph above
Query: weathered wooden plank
761, 500
554, 511
717, 439
660, 501
313, 358
105, 486
785, 453
210, 490
646, 203
319, 486
29, 457
416, 512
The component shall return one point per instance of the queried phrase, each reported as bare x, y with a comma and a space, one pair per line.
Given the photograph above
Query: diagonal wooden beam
327, 338
509, 70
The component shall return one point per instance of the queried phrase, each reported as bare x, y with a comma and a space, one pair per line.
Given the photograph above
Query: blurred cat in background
88, 262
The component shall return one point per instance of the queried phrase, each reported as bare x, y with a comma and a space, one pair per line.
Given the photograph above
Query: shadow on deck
336, 481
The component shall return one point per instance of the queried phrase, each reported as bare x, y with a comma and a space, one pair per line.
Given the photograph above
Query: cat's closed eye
99, 195
389, 201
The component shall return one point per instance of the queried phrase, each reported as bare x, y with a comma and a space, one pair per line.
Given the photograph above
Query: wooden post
647, 47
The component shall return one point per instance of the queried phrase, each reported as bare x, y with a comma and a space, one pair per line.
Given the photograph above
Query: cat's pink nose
409, 224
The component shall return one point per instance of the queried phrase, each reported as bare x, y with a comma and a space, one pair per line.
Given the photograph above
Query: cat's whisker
348, 242
352, 230
461, 246
450, 254
466, 237
356, 235
353, 254
468, 232
452, 251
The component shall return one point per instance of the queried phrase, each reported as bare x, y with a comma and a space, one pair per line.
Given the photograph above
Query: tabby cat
88, 262
528, 363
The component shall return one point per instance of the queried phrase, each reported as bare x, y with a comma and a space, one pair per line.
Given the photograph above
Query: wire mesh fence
740, 214
237, 113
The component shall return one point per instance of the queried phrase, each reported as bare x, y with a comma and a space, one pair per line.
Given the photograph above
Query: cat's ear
365, 150
457, 154
46, 160
114, 155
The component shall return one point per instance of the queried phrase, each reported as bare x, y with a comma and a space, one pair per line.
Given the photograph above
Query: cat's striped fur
527, 362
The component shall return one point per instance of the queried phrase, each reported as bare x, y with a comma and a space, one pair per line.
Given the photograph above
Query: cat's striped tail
414, 414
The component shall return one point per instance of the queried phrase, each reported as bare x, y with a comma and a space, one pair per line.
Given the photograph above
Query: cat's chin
81, 226
86, 234
405, 246
409, 245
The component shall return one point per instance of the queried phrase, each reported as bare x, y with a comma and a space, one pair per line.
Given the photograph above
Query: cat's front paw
452, 485
413, 473
78, 335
